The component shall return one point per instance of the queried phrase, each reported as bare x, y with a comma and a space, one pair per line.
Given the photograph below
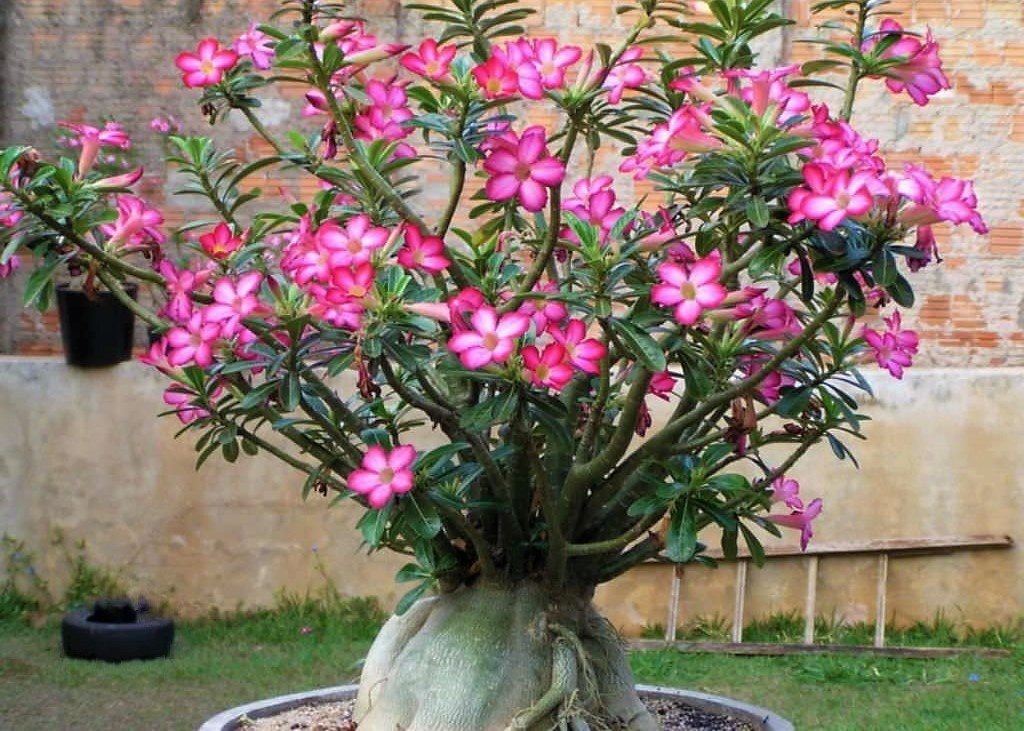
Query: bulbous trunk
488, 658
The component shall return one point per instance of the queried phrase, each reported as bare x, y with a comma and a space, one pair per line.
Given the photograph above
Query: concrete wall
83, 451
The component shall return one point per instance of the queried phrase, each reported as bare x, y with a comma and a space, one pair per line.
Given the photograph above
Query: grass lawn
219, 663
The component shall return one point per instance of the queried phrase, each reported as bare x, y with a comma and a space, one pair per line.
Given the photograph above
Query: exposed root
564, 681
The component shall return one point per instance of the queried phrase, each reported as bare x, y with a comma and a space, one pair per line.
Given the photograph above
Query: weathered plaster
82, 450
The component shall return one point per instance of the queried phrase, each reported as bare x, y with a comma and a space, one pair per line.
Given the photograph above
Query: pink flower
594, 203
352, 245
165, 125
383, 474
552, 62
220, 243
383, 117
10, 266
253, 43
690, 289
800, 520
207, 65
893, 348
948, 199
422, 252
192, 342
136, 224
496, 78
831, 196
490, 338
462, 306
182, 399
786, 490
430, 60
582, 352
549, 368
353, 283
91, 139
9, 213
766, 88
918, 70
926, 246
180, 285
625, 75
524, 170
233, 301
661, 385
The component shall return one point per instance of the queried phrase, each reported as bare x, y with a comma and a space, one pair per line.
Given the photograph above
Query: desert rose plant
533, 320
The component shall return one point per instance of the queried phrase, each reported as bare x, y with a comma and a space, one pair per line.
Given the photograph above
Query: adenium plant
534, 321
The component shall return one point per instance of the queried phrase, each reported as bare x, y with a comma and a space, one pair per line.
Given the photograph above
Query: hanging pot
97, 331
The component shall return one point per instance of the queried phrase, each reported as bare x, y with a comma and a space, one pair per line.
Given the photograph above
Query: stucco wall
82, 450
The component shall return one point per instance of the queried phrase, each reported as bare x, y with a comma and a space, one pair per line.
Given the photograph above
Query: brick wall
79, 59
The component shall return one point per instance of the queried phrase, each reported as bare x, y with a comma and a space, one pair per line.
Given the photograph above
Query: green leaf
753, 545
884, 270
39, 287
411, 597
901, 291
681, 542
728, 483
641, 345
422, 517
757, 212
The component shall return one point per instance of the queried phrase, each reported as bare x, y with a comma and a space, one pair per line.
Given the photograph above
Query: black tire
148, 638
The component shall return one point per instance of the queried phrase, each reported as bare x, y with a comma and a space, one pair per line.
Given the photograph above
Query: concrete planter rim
760, 718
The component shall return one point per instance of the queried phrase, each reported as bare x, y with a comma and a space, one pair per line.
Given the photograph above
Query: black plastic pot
144, 639
95, 332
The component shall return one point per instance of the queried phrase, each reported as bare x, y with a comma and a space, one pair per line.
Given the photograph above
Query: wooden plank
810, 599
880, 591
673, 604
904, 546
741, 593
771, 648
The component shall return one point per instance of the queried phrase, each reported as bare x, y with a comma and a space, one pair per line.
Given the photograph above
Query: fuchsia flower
948, 199
181, 283
690, 289
552, 62
524, 170
383, 474
786, 490
594, 203
490, 338
430, 61
383, 117
354, 283
254, 44
422, 252
352, 245
192, 342
894, 347
233, 301
136, 224
462, 306
10, 266
496, 78
207, 65
661, 385
800, 520
831, 195
220, 243
177, 396
90, 139
9, 213
625, 75
548, 368
766, 87
919, 68
582, 352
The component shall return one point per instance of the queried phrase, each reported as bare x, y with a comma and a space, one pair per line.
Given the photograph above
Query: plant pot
95, 332
146, 638
758, 718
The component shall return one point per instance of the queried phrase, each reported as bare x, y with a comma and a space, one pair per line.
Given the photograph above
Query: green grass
316, 641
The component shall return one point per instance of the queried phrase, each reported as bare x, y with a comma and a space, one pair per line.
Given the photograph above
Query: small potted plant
96, 308
534, 316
